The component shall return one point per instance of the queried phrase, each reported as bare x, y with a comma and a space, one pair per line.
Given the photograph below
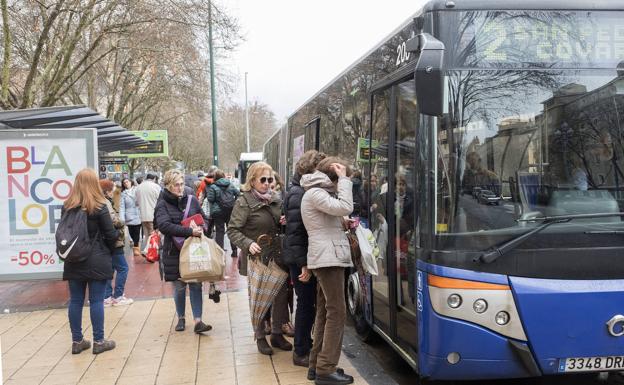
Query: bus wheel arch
355, 308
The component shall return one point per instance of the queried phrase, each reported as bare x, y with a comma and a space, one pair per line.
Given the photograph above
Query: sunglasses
264, 180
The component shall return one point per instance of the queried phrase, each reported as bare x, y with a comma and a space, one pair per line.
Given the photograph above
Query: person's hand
339, 169
197, 231
305, 275
254, 248
283, 220
381, 219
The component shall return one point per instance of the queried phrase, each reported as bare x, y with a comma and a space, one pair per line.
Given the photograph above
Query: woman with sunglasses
257, 212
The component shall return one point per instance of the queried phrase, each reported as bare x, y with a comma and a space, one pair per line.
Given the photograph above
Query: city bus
246, 160
476, 102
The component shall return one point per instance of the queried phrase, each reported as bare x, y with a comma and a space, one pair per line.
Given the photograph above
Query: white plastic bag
368, 248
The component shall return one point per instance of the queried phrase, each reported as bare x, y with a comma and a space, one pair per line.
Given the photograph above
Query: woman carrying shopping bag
256, 215
169, 213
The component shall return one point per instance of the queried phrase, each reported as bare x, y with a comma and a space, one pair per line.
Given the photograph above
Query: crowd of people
310, 217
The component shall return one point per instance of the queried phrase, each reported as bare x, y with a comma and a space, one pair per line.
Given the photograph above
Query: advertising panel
38, 168
157, 146
364, 150
298, 148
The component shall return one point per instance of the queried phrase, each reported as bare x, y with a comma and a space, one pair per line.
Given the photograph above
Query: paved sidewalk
36, 348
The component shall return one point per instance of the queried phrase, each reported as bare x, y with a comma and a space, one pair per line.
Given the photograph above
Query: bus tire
356, 311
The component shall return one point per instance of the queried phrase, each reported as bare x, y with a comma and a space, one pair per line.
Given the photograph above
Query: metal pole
213, 97
247, 115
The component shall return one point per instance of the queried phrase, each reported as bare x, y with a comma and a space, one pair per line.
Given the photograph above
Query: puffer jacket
128, 209
295, 248
322, 208
168, 217
250, 219
99, 265
213, 196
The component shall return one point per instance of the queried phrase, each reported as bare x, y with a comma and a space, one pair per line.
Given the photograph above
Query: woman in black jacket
168, 216
295, 256
96, 269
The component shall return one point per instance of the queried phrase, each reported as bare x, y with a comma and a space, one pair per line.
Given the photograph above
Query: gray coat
128, 209
322, 208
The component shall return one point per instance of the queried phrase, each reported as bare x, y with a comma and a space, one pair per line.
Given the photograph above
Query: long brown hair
86, 192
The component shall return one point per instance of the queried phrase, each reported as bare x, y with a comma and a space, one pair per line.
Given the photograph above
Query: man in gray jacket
146, 196
328, 198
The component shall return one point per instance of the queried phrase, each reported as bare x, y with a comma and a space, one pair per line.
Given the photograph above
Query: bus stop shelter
111, 136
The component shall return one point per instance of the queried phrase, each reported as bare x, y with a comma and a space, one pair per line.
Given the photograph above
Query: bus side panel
483, 353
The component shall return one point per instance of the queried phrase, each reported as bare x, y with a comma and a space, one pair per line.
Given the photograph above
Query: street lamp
246, 115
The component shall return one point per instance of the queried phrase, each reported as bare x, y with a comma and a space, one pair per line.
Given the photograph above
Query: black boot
335, 378
181, 325
312, 372
278, 341
303, 360
263, 347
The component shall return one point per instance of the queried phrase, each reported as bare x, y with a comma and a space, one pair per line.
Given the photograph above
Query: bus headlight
454, 301
502, 318
489, 305
480, 306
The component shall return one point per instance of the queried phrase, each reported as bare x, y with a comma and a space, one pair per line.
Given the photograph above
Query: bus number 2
402, 54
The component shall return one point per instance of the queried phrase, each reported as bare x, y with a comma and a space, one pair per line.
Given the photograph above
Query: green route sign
158, 145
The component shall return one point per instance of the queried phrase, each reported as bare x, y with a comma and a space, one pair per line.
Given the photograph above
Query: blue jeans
179, 297
121, 267
96, 307
306, 311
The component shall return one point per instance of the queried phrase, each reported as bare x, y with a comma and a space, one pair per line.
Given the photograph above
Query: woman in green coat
256, 212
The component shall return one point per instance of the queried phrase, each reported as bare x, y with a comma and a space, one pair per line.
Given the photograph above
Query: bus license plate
590, 364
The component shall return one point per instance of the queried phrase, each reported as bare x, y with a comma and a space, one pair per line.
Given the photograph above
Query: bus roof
246, 156
476, 5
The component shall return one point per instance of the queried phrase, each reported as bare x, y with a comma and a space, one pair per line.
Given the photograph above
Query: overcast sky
293, 48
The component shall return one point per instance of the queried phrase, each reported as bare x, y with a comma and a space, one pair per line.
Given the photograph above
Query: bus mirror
428, 73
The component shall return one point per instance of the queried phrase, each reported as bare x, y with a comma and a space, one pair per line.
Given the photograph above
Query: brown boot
278, 341
263, 346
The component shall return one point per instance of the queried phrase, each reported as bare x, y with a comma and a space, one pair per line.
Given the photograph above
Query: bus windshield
520, 144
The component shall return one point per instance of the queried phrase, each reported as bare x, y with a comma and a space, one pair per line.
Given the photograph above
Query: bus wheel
354, 303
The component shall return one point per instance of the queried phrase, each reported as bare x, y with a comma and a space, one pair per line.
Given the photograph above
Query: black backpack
72, 236
227, 198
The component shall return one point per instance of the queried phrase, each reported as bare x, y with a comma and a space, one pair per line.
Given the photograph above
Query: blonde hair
254, 172
86, 192
171, 177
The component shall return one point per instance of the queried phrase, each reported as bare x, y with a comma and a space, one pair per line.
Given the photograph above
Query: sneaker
201, 327
288, 329
123, 300
103, 346
108, 302
78, 347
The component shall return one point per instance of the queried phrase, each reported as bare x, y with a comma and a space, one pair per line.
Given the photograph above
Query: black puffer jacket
168, 215
99, 265
296, 240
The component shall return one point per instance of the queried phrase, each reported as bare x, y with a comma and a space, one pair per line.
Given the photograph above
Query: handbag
354, 245
179, 241
152, 251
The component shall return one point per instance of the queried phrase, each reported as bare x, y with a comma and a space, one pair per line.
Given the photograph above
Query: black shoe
216, 296
303, 360
278, 341
263, 347
181, 325
335, 378
312, 373
201, 327
78, 347
103, 346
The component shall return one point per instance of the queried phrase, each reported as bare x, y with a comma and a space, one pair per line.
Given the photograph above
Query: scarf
264, 198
